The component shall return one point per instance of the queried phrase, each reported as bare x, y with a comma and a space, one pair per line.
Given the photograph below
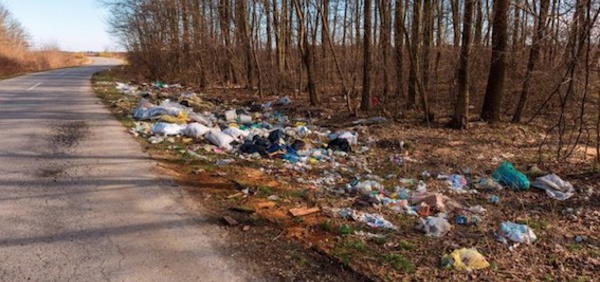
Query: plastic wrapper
555, 187
465, 259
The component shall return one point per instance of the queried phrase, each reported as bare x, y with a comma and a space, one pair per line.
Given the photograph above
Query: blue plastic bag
506, 174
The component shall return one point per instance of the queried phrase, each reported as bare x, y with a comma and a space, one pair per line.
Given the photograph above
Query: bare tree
534, 53
461, 110
495, 86
366, 90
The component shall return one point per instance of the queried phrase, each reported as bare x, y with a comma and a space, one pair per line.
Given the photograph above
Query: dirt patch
69, 134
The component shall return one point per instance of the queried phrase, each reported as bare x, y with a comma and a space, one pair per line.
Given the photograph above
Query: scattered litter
437, 201
372, 220
555, 187
494, 199
465, 259
195, 130
434, 226
156, 139
519, 233
507, 175
167, 129
488, 184
467, 218
456, 182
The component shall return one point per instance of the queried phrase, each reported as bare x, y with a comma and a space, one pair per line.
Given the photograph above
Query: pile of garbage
254, 131
264, 131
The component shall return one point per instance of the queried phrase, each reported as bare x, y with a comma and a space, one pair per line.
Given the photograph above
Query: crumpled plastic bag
487, 184
456, 182
434, 226
372, 220
236, 133
465, 259
167, 129
219, 139
440, 202
148, 111
507, 175
555, 187
195, 130
519, 233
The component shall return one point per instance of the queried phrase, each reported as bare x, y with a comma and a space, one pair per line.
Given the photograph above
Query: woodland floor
321, 247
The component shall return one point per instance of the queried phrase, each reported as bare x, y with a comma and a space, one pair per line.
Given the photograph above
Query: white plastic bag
163, 128
434, 226
519, 233
195, 130
236, 133
555, 187
220, 139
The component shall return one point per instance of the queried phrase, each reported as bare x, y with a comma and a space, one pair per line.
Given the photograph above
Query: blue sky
75, 25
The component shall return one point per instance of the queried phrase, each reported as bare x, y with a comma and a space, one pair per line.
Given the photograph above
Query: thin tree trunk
365, 103
478, 23
399, 45
414, 45
427, 41
386, 33
307, 56
533, 58
455, 21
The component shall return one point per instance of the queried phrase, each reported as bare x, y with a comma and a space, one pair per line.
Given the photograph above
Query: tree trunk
414, 45
365, 103
399, 44
534, 53
478, 23
495, 86
244, 36
307, 56
455, 21
386, 33
325, 26
427, 41
461, 110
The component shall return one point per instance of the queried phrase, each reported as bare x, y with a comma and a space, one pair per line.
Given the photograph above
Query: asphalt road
79, 201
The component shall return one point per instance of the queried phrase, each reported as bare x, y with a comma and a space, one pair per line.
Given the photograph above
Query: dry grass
20, 60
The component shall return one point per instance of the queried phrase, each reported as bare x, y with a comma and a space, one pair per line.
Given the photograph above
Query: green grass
345, 230
326, 226
399, 262
403, 245
357, 245
573, 247
541, 224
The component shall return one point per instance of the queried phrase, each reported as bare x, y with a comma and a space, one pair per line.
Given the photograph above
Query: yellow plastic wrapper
181, 118
465, 259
